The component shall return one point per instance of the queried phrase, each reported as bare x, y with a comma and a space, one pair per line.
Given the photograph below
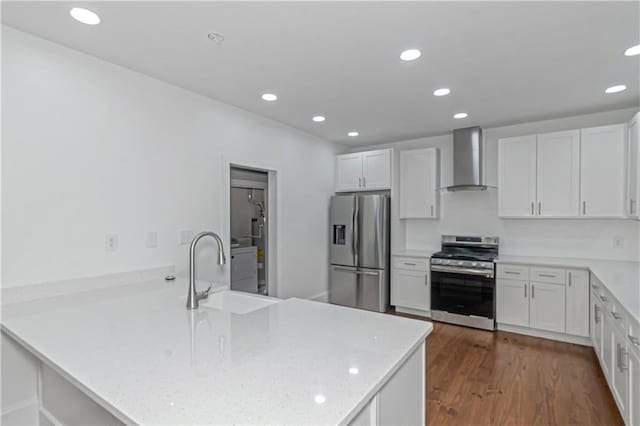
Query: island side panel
19, 372
402, 399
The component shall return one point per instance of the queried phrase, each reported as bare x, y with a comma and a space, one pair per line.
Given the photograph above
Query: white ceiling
505, 62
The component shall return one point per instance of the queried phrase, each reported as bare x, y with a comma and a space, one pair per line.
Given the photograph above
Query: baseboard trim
411, 311
567, 338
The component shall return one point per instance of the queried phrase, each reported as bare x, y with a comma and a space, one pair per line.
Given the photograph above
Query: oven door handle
466, 271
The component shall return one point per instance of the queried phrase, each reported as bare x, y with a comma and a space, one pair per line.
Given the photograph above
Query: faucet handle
200, 295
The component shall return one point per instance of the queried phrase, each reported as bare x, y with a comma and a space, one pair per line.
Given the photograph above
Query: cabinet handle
584, 208
631, 206
512, 272
364, 182
359, 182
532, 208
596, 314
409, 264
620, 352
603, 298
569, 279
634, 340
533, 291
547, 275
539, 208
525, 291
616, 315
432, 210
593, 286
426, 280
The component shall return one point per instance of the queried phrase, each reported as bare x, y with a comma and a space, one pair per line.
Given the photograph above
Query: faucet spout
194, 296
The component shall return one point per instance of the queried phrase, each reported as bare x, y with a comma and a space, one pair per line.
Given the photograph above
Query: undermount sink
237, 302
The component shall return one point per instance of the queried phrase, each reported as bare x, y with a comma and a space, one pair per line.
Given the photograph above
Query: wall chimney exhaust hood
467, 160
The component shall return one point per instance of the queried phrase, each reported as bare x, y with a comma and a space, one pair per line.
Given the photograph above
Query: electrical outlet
111, 242
186, 236
618, 242
152, 239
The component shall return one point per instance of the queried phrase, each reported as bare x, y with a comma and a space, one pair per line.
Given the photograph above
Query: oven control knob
474, 264
445, 262
460, 262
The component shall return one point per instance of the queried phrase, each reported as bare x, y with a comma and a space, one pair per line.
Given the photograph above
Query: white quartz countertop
138, 352
621, 278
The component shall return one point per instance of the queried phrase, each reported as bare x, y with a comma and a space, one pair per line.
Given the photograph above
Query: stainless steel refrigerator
359, 255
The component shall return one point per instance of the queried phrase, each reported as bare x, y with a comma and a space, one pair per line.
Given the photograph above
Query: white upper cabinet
376, 169
633, 185
558, 174
517, 176
419, 182
602, 171
349, 172
363, 171
576, 173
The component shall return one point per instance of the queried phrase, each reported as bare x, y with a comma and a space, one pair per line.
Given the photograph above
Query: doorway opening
249, 230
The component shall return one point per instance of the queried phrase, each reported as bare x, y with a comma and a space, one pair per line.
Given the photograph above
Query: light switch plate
152, 239
111, 242
618, 242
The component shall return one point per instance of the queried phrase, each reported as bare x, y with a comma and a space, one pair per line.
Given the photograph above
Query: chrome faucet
195, 296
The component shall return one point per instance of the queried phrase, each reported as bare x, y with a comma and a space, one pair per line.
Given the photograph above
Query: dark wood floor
477, 377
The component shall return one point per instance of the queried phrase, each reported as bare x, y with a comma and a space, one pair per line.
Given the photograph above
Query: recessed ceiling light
441, 92
269, 97
318, 118
320, 399
632, 51
410, 55
461, 115
353, 134
85, 16
354, 370
616, 89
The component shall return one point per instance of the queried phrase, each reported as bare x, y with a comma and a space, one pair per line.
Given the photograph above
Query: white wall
477, 212
90, 148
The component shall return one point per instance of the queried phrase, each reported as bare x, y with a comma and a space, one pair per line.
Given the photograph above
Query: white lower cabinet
633, 406
547, 307
410, 285
512, 302
410, 289
543, 299
596, 324
619, 370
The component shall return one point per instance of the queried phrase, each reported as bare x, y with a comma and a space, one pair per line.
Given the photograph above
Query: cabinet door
558, 174
596, 325
547, 308
619, 372
410, 289
607, 343
512, 302
517, 176
633, 184
349, 172
602, 171
376, 169
633, 404
419, 181
578, 302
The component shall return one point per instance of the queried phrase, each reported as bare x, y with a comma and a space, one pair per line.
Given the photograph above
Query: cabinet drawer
548, 275
411, 263
513, 272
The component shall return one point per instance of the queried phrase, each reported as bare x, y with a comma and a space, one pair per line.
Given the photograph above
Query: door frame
271, 255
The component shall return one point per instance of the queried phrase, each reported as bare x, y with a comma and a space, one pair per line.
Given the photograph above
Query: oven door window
462, 294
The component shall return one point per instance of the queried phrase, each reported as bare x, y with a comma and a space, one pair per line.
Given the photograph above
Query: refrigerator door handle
356, 232
355, 271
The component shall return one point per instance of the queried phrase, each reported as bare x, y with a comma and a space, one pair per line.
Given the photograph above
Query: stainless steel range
463, 284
